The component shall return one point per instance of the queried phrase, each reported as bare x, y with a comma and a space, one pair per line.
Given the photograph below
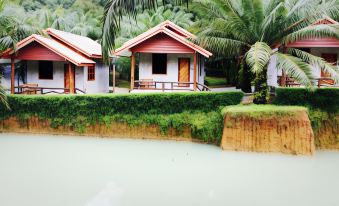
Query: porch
167, 60
44, 66
168, 86
45, 77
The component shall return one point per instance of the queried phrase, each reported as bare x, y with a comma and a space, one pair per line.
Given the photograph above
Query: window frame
91, 73
153, 72
40, 66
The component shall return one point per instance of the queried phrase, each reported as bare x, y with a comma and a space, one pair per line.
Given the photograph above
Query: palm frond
258, 57
317, 61
222, 46
314, 31
295, 68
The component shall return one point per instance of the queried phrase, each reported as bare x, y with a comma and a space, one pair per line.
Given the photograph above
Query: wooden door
330, 58
184, 71
66, 77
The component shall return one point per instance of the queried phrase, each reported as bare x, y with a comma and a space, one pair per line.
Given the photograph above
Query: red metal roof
168, 28
54, 46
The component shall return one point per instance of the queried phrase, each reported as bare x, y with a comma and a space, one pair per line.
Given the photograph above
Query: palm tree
258, 29
114, 10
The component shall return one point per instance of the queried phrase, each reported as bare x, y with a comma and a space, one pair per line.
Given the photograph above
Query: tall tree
258, 29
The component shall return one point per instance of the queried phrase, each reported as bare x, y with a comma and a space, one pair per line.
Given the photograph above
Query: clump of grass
262, 111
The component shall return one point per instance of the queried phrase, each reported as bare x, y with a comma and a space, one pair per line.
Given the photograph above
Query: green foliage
318, 116
251, 29
261, 95
262, 111
198, 111
325, 99
204, 126
68, 106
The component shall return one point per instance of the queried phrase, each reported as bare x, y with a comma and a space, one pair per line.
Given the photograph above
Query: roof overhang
52, 45
125, 49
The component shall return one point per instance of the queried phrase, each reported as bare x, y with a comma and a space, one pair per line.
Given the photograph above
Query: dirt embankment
327, 134
285, 134
35, 125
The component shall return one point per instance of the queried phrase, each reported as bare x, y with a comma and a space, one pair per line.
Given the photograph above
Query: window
91, 73
45, 70
159, 63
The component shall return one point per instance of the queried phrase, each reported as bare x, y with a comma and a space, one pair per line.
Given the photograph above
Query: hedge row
69, 106
326, 99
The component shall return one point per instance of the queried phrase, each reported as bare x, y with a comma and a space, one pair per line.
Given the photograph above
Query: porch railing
168, 86
320, 82
45, 90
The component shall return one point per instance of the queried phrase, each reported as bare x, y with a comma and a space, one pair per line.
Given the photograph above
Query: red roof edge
161, 28
33, 38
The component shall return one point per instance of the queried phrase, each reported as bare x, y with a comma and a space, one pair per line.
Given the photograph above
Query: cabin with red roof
326, 48
168, 60
59, 62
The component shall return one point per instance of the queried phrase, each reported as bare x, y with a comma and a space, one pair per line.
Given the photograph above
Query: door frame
189, 71
66, 76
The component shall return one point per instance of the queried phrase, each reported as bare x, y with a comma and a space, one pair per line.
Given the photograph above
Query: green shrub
326, 99
69, 106
198, 111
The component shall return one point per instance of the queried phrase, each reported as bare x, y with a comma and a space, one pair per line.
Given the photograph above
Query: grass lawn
260, 111
215, 81
122, 83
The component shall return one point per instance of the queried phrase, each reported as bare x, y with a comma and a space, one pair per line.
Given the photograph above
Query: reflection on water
78, 171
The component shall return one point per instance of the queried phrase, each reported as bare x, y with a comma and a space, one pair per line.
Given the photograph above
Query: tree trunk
261, 94
245, 78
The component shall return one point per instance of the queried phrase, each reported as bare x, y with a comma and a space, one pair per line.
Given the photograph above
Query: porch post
132, 70
283, 79
113, 78
12, 75
71, 78
195, 72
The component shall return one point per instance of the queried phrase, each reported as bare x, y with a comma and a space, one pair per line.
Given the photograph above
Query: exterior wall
145, 68
100, 85
272, 72
79, 78
35, 51
58, 75
101, 82
162, 43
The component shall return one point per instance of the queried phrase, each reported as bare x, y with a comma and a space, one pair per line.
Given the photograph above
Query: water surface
78, 171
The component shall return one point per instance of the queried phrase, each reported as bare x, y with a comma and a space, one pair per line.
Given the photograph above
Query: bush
326, 99
70, 106
198, 111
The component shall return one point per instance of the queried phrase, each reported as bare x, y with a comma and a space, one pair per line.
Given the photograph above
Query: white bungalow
58, 63
168, 60
326, 48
